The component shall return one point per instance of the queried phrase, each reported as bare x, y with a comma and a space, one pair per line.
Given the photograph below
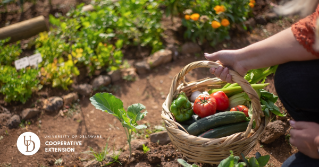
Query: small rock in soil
115, 75
136, 144
160, 57
189, 48
29, 113
4, 117
14, 122
154, 158
83, 89
4, 110
70, 98
160, 137
273, 131
129, 73
142, 67
102, 80
53, 104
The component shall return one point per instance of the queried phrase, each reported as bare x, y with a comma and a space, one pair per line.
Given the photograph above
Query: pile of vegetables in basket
223, 112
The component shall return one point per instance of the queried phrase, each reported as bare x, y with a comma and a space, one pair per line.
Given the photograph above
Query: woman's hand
227, 58
305, 136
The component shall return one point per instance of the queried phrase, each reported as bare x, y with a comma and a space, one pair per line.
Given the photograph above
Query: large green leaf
134, 112
108, 102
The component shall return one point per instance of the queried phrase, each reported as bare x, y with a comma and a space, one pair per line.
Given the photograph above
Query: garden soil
150, 90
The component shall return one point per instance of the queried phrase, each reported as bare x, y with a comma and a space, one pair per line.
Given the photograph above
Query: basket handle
257, 111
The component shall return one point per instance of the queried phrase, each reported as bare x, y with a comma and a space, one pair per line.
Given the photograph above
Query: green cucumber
225, 130
213, 121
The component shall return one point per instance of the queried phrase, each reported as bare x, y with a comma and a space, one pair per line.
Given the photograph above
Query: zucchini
225, 130
213, 121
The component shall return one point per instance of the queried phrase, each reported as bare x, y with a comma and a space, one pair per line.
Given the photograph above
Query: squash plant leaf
253, 162
229, 161
107, 102
263, 160
134, 112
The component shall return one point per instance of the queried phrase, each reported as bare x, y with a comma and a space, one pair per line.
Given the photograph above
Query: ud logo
28, 143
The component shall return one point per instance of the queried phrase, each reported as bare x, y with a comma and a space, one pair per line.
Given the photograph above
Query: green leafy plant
18, 85
9, 53
59, 73
232, 161
185, 164
99, 156
145, 149
112, 105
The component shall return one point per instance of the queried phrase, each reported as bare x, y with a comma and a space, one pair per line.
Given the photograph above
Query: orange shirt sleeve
304, 31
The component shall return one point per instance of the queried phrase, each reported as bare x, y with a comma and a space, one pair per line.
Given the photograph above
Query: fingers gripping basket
203, 150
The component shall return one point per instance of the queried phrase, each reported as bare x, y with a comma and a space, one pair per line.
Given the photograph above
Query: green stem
237, 88
228, 84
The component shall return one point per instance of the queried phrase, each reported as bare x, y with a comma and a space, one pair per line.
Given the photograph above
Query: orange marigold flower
225, 22
215, 24
252, 1
194, 16
187, 17
219, 9
251, 5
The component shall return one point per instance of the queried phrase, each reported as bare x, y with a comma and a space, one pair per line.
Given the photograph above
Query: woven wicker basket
212, 151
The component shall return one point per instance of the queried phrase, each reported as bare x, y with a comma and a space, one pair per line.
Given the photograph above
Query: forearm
278, 49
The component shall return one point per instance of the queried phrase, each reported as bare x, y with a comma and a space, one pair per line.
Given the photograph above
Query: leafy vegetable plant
9, 53
112, 105
18, 85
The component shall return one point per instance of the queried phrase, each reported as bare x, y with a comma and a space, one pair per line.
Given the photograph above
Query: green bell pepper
181, 108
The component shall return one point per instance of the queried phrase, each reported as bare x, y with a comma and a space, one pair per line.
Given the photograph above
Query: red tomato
221, 100
204, 106
233, 109
242, 108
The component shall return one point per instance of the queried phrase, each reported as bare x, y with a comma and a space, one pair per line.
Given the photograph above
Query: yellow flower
219, 9
225, 22
215, 24
251, 5
187, 17
194, 16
